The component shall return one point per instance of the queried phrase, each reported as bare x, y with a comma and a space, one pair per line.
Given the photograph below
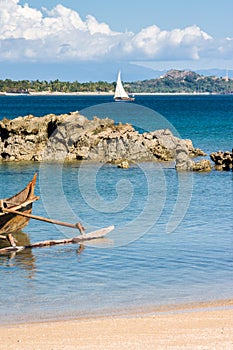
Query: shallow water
173, 234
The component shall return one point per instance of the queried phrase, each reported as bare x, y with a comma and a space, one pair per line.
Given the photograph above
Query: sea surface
173, 234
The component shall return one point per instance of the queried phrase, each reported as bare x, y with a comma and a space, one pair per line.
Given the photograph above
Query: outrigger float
15, 213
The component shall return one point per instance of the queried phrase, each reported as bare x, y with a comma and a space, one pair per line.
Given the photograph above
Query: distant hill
183, 81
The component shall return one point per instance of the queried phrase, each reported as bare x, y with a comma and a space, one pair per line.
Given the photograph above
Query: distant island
174, 81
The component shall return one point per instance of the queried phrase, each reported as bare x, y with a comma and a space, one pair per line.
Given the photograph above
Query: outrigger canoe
15, 213
21, 202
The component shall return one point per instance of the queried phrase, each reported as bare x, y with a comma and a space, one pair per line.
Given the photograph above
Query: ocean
173, 236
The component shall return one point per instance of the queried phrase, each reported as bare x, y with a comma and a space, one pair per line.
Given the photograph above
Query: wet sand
201, 326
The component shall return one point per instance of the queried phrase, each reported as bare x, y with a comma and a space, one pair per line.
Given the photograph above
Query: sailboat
120, 93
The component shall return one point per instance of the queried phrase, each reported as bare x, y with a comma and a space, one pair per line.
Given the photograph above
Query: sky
84, 39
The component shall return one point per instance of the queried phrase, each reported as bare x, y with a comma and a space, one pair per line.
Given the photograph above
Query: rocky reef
222, 160
74, 137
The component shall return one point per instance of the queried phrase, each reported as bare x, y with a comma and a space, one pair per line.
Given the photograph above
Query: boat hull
22, 202
10, 223
131, 99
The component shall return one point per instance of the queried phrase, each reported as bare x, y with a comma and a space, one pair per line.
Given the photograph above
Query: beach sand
201, 326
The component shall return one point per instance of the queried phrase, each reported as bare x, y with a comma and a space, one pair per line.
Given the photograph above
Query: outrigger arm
50, 221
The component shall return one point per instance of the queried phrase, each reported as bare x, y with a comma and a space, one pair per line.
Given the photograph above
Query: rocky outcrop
24, 138
74, 137
123, 165
184, 163
223, 160
202, 165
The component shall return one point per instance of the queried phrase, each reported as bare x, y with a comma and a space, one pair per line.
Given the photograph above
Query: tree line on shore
174, 81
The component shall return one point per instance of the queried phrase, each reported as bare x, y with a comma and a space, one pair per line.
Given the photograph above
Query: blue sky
36, 35
213, 16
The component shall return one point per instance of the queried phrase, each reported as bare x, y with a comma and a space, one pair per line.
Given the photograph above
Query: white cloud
178, 43
60, 34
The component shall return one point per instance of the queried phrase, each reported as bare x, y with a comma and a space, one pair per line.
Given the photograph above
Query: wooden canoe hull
11, 223
22, 202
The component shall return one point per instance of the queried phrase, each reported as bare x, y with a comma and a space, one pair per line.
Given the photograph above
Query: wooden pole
73, 240
79, 239
11, 240
41, 218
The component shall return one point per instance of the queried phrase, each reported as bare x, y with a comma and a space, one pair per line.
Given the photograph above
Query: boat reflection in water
24, 259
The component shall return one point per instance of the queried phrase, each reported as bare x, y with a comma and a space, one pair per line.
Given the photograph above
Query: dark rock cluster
222, 160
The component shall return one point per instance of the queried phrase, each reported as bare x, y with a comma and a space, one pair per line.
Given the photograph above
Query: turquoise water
173, 234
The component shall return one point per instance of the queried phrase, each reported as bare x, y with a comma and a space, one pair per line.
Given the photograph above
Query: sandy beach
201, 326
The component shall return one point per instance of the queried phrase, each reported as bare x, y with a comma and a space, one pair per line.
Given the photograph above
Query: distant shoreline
45, 93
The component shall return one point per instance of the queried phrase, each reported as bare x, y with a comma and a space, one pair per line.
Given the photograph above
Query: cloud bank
60, 35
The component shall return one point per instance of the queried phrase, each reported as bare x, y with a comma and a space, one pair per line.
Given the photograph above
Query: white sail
120, 91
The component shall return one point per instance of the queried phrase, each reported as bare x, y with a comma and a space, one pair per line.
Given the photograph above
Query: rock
183, 161
194, 152
222, 160
74, 137
202, 165
123, 165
